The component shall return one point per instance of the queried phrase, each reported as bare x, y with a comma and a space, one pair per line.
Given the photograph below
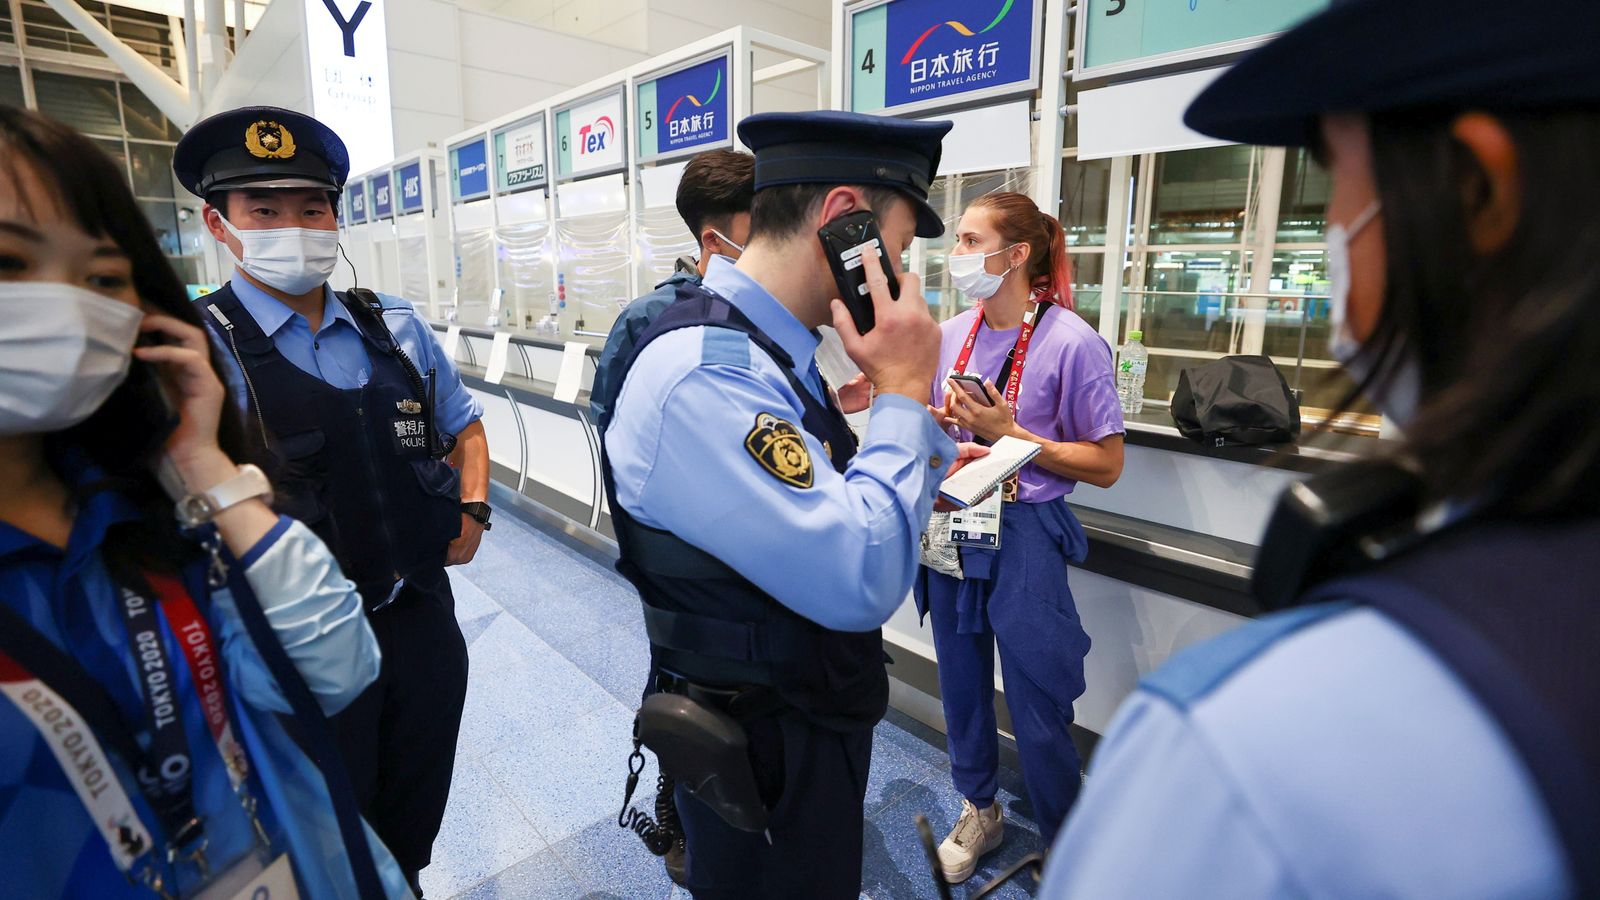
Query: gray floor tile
542, 876
483, 833
611, 862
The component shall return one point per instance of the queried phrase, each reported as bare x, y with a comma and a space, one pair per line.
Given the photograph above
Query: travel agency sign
924, 54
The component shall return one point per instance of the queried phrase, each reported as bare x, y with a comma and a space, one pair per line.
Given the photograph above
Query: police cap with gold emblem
260, 147
834, 147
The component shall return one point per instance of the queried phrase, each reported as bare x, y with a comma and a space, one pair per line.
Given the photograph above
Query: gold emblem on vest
780, 448
409, 407
269, 140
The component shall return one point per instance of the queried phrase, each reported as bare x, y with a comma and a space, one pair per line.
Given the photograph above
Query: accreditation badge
979, 524
248, 879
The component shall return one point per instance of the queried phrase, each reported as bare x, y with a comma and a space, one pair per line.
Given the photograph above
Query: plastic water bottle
1132, 360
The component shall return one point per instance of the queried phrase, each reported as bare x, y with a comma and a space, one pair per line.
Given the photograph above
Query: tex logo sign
597, 137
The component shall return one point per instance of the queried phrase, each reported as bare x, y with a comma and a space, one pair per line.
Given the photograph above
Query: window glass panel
1302, 207
44, 29
115, 150
152, 169
1085, 195
144, 119
8, 31
10, 85
1200, 196
87, 104
192, 234
1088, 278
1190, 302
163, 216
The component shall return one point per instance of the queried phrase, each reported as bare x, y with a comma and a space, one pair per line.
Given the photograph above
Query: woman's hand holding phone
182, 363
989, 420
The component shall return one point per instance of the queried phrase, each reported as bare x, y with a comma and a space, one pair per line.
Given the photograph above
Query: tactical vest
711, 625
1513, 609
361, 467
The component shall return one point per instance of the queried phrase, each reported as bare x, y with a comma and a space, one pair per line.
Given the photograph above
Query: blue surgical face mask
1397, 396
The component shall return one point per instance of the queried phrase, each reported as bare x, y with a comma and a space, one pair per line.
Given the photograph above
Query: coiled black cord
657, 839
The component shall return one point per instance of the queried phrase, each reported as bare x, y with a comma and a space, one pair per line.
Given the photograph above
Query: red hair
1019, 221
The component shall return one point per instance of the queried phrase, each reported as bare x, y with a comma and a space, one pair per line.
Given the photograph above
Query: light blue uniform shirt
1340, 759
841, 552
336, 353
49, 847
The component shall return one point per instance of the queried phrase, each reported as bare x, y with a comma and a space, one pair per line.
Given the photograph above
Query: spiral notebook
977, 479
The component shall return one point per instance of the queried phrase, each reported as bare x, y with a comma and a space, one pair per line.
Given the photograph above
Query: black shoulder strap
1005, 370
367, 309
50, 664
318, 742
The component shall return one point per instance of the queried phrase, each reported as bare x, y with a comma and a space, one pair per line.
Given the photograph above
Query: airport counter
1170, 545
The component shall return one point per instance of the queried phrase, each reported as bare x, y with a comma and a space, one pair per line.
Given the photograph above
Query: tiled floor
558, 658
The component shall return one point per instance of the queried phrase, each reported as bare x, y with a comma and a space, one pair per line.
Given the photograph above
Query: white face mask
293, 260
1397, 396
969, 276
63, 350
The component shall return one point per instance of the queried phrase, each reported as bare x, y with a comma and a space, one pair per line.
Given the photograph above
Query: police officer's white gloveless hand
901, 352
184, 367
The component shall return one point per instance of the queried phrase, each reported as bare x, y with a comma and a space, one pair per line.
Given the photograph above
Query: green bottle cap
1135, 335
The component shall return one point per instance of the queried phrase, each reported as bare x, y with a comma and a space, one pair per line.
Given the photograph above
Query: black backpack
1235, 400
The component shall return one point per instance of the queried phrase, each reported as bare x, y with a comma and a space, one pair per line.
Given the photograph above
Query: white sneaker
976, 833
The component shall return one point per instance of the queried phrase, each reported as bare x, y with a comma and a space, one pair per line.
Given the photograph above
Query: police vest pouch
1236, 400
707, 752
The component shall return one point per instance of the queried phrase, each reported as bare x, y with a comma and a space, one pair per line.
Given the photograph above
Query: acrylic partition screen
661, 237
474, 252
522, 255
413, 253
592, 272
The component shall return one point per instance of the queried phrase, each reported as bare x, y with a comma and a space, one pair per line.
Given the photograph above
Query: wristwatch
479, 511
199, 508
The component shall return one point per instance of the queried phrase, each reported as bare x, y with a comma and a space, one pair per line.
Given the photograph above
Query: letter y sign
349, 27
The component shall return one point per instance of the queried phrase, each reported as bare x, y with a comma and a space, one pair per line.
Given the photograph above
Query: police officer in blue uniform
376, 443
767, 546
1424, 721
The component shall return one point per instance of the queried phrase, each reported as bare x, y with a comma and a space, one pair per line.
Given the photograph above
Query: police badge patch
269, 140
780, 448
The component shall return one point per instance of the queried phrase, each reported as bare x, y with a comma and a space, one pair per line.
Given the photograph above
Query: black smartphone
139, 410
843, 241
973, 385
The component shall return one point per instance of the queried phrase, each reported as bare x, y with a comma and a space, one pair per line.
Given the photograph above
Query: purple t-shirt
1068, 392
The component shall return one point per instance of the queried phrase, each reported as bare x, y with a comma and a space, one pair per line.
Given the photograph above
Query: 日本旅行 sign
589, 136
519, 155
410, 185
469, 170
382, 199
1123, 36
925, 54
684, 110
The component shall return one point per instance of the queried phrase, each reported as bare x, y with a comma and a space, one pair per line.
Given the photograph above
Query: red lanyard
1019, 352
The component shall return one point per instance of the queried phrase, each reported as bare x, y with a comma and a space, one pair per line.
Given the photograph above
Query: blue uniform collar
271, 314
772, 317
98, 510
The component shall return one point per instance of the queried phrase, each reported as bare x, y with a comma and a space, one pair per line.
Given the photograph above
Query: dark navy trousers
815, 783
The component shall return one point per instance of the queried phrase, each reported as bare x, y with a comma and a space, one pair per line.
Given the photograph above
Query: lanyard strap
205, 668
165, 770
1011, 373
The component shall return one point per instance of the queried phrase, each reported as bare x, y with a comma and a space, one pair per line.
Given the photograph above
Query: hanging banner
519, 156
1122, 36
589, 136
469, 171
930, 54
382, 201
684, 111
347, 50
410, 182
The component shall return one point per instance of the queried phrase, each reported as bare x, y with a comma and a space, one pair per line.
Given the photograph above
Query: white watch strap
249, 482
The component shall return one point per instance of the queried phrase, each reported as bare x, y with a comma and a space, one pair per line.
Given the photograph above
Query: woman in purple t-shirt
1048, 379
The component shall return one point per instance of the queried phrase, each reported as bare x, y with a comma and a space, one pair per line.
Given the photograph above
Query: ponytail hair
1019, 221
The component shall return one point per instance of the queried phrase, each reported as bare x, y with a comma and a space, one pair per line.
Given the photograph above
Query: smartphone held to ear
843, 241
973, 386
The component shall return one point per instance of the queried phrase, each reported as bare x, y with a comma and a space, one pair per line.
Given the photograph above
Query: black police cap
260, 146
1384, 55
833, 147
